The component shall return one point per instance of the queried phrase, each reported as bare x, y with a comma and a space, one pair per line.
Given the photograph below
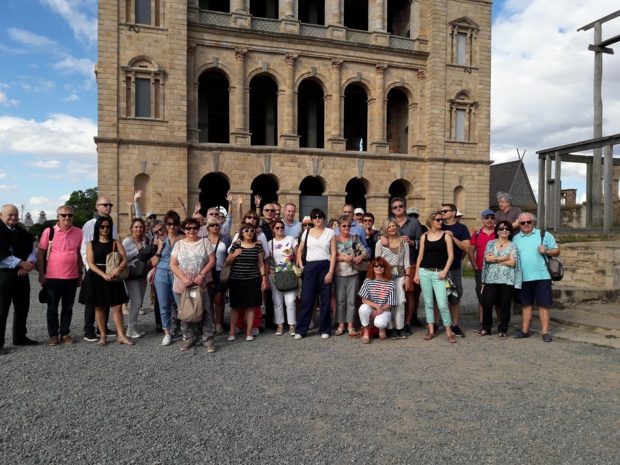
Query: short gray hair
528, 214
506, 196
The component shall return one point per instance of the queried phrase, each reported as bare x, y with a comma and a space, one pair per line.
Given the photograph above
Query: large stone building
315, 102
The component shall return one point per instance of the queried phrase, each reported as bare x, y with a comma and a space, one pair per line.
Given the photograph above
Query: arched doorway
213, 107
264, 111
311, 196
267, 187
213, 189
397, 121
356, 193
310, 114
356, 118
396, 189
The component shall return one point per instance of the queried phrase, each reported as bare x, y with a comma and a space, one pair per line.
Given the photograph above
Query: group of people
346, 269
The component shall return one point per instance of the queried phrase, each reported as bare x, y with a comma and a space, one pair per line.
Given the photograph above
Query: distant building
512, 178
28, 223
42, 218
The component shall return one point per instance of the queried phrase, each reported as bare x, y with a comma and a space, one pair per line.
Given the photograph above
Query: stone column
240, 134
192, 95
333, 18
238, 6
380, 144
337, 142
289, 137
376, 20
289, 23
240, 15
289, 9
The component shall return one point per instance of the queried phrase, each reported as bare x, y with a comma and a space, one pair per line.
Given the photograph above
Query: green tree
84, 203
37, 229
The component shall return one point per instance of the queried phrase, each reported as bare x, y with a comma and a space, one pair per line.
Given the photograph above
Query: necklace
501, 244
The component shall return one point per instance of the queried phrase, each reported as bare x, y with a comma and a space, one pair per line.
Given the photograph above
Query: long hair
248, 226
387, 274
98, 224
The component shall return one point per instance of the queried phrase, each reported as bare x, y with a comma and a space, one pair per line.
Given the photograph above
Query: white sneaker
231, 338
133, 334
298, 336
167, 340
291, 330
249, 338
324, 336
255, 331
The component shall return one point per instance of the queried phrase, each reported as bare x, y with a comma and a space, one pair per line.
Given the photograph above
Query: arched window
356, 193
311, 195
213, 189
399, 188
463, 118
264, 111
143, 89
310, 114
142, 182
463, 34
213, 107
459, 198
266, 186
397, 121
356, 118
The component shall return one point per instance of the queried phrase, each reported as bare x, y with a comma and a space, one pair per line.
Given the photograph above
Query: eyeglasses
345, 226
397, 207
446, 211
439, 220
214, 225
214, 214
65, 215
378, 265
317, 217
523, 223
489, 217
106, 204
249, 230
250, 218
307, 225
172, 224
105, 226
503, 229
152, 217
160, 230
277, 228
368, 220
268, 210
192, 228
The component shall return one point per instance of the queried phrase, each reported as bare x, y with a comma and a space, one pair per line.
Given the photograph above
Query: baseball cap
306, 220
487, 212
358, 211
458, 213
149, 214
223, 211
413, 211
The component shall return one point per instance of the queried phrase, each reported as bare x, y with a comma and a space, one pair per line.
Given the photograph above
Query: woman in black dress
247, 277
101, 289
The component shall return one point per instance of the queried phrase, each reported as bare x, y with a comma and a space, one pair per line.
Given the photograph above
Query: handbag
554, 265
137, 270
225, 275
284, 280
364, 264
113, 261
190, 306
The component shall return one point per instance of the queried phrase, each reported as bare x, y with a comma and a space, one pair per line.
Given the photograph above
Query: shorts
479, 285
456, 277
538, 292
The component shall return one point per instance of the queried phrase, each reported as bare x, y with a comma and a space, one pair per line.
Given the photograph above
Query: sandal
428, 336
502, 336
339, 331
382, 334
352, 332
452, 339
484, 332
365, 339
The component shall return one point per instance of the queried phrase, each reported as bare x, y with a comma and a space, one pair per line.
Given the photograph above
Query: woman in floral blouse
501, 275
350, 250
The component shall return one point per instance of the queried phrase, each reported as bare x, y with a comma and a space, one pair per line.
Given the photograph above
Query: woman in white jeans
282, 248
135, 245
378, 293
396, 253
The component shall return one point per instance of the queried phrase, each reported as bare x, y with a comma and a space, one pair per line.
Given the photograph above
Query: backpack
554, 265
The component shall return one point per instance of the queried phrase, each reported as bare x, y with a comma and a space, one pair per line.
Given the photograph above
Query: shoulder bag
554, 265
225, 274
113, 261
138, 269
190, 305
365, 263
284, 280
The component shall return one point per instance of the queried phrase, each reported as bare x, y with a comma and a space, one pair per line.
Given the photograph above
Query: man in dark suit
17, 259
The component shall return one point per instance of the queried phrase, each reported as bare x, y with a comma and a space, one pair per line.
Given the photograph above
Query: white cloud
6, 101
81, 15
46, 165
49, 205
2, 175
59, 136
72, 65
542, 80
31, 39
5, 188
71, 98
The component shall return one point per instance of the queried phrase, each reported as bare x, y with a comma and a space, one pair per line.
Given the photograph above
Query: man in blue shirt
536, 279
292, 227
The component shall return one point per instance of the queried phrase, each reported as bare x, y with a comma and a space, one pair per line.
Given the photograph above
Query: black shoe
109, 333
91, 336
401, 334
225, 326
521, 335
435, 328
416, 323
25, 341
394, 334
159, 329
457, 331
407, 330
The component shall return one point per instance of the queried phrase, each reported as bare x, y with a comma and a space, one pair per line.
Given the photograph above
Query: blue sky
541, 90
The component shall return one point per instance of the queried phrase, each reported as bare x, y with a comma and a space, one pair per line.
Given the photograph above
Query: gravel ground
278, 400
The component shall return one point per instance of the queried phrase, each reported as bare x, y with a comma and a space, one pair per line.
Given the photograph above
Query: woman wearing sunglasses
164, 279
501, 275
318, 247
101, 289
350, 251
191, 261
434, 260
220, 243
378, 293
282, 248
247, 277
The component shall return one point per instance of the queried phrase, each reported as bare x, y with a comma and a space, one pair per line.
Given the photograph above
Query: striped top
245, 266
379, 292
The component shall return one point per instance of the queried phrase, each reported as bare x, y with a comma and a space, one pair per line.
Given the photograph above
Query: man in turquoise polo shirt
536, 279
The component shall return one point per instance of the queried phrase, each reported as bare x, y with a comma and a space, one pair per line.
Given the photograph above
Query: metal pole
557, 200
548, 187
598, 128
608, 189
541, 193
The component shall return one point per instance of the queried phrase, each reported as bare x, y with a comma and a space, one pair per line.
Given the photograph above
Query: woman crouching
378, 293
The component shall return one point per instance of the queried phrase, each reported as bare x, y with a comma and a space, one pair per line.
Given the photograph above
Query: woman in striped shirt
247, 277
378, 293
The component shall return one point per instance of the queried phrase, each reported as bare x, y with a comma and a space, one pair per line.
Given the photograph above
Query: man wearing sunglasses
536, 286
104, 208
61, 274
477, 246
461, 239
17, 258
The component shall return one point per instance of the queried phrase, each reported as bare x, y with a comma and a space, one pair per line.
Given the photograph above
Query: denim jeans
430, 283
57, 290
164, 279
